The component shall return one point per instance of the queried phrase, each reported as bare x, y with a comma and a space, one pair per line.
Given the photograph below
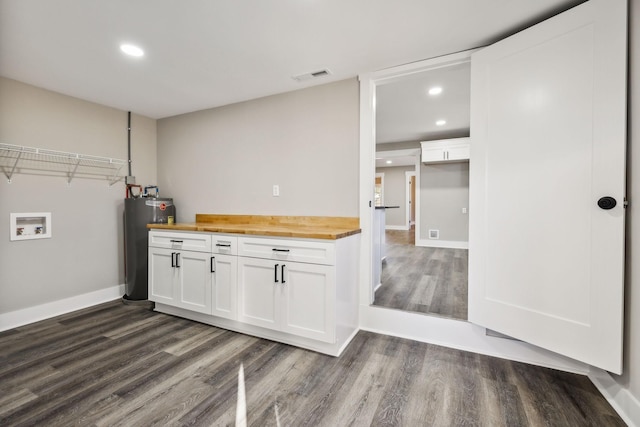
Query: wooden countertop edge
308, 232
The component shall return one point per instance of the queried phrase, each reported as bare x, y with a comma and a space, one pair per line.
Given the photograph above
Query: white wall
444, 191
85, 252
226, 160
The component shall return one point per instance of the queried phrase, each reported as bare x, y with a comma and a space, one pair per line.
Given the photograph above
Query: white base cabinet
292, 297
224, 286
180, 278
298, 291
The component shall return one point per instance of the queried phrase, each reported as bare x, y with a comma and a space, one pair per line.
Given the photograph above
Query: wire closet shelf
41, 161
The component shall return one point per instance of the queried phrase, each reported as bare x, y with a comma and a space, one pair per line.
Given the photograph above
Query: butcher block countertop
309, 227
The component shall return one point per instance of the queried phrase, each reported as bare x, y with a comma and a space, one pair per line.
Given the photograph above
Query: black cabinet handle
282, 274
173, 263
213, 260
275, 273
280, 250
177, 259
224, 245
176, 241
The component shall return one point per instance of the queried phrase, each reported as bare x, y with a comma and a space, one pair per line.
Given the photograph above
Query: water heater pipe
129, 139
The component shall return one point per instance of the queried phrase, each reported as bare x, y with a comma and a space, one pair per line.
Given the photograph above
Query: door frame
425, 328
368, 84
409, 201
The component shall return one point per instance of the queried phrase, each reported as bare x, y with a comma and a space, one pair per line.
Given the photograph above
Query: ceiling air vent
313, 75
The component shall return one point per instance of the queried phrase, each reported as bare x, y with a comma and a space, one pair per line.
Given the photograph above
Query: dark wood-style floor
118, 365
423, 280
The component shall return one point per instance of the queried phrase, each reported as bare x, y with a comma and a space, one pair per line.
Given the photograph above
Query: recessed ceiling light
441, 122
389, 162
436, 90
131, 50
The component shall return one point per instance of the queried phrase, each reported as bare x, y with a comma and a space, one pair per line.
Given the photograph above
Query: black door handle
607, 203
282, 274
177, 259
213, 260
173, 263
275, 273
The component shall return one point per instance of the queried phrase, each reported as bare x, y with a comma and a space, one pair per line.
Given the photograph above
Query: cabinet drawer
199, 242
224, 244
287, 250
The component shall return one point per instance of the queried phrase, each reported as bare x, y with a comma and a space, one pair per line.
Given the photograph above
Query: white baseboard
461, 335
396, 227
449, 244
625, 404
17, 318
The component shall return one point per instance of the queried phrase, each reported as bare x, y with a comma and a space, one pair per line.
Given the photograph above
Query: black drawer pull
223, 245
176, 241
280, 250
275, 273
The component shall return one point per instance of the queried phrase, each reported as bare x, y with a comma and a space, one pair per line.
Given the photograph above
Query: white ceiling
406, 112
208, 53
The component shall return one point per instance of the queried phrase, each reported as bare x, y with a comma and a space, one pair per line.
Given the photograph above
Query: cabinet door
458, 152
161, 276
257, 292
308, 292
224, 286
432, 154
194, 281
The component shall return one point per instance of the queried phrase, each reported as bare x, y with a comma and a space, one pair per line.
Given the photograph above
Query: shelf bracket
75, 168
15, 164
115, 178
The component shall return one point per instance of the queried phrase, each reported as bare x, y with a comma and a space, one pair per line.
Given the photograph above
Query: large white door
548, 119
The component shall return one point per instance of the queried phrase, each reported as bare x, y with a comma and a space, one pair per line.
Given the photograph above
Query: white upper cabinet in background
445, 150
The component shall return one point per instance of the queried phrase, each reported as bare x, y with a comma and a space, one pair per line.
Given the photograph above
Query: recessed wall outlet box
434, 234
27, 226
276, 190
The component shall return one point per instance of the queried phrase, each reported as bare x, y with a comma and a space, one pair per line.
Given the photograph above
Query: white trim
17, 318
396, 227
368, 84
407, 152
620, 398
367, 174
407, 195
461, 335
451, 244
